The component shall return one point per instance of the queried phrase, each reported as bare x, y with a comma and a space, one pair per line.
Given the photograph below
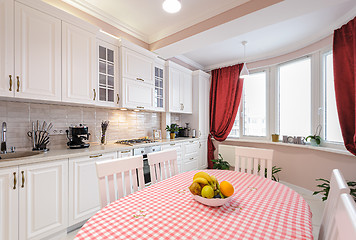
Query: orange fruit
226, 188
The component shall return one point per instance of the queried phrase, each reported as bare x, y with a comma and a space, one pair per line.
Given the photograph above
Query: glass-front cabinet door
159, 87
108, 72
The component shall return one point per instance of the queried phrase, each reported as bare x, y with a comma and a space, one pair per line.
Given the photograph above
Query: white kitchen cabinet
124, 153
159, 97
137, 66
43, 199
178, 147
203, 154
6, 48
79, 65
84, 199
9, 203
199, 119
137, 95
107, 78
179, 88
191, 155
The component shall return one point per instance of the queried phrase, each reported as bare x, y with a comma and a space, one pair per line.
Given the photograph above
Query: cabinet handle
23, 179
10, 82
118, 98
183, 106
199, 133
94, 94
15, 181
96, 156
140, 79
199, 145
18, 83
172, 144
140, 107
127, 151
191, 158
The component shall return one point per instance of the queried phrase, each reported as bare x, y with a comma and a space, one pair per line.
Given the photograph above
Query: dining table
259, 209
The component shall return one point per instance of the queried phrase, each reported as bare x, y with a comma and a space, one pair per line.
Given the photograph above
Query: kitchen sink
18, 154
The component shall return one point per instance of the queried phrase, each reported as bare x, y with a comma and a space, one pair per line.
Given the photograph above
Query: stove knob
142, 151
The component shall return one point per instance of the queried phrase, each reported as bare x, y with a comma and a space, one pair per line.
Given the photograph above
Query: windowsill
307, 146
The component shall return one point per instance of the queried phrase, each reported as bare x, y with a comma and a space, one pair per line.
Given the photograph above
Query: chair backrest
228, 153
254, 161
162, 165
338, 186
119, 177
343, 225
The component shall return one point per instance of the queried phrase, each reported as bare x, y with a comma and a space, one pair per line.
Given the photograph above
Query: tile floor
315, 203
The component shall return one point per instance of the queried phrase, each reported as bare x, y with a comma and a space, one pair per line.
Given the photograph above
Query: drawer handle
191, 158
172, 144
23, 179
15, 181
127, 151
96, 156
139, 107
18, 83
118, 98
191, 141
10, 82
94, 94
140, 79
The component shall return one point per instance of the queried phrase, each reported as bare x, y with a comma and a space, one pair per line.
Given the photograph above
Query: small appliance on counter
76, 135
184, 132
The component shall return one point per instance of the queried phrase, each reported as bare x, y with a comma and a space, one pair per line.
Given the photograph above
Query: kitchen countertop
95, 148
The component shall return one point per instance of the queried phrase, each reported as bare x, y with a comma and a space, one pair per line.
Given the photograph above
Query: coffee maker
76, 135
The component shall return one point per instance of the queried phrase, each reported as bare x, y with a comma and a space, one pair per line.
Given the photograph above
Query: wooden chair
343, 225
162, 165
119, 177
249, 160
338, 186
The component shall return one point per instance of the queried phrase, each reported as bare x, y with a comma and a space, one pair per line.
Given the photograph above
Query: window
295, 98
332, 125
253, 106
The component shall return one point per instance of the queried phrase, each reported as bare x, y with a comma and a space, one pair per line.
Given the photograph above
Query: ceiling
281, 27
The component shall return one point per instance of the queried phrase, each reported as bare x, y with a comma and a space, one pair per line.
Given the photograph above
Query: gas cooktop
134, 141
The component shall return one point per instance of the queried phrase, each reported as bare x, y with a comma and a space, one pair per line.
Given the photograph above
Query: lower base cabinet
203, 153
33, 200
191, 154
84, 199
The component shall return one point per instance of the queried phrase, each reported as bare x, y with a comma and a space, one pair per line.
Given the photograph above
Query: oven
146, 168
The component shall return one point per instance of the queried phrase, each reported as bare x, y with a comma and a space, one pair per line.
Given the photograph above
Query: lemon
207, 192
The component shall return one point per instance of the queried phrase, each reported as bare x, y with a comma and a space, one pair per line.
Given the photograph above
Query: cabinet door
159, 88
137, 95
43, 199
204, 87
8, 203
84, 199
186, 92
6, 48
137, 66
203, 154
174, 90
37, 54
107, 77
78, 65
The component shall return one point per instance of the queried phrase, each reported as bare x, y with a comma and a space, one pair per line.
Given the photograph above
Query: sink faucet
3, 138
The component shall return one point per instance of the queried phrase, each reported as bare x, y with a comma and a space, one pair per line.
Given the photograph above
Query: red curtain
225, 95
344, 58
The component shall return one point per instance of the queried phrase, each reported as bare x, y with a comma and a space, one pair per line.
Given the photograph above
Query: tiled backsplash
123, 124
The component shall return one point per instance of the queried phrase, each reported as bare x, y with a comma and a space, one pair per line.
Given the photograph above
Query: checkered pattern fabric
259, 209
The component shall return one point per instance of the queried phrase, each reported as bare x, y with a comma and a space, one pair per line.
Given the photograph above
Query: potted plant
325, 188
315, 139
220, 163
173, 129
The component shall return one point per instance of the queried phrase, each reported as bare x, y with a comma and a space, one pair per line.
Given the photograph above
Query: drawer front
126, 153
191, 147
190, 164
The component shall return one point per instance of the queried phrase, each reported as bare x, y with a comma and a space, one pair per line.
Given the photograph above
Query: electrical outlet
58, 131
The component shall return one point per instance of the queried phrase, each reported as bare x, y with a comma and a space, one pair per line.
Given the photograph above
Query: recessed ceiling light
171, 6
123, 109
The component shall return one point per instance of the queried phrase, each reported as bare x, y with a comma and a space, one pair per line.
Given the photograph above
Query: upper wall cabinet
159, 94
179, 90
6, 48
107, 74
79, 68
31, 57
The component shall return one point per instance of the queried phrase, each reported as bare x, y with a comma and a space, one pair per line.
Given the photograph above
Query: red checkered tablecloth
259, 209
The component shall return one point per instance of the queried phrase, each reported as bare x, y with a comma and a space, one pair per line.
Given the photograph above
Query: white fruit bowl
213, 202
